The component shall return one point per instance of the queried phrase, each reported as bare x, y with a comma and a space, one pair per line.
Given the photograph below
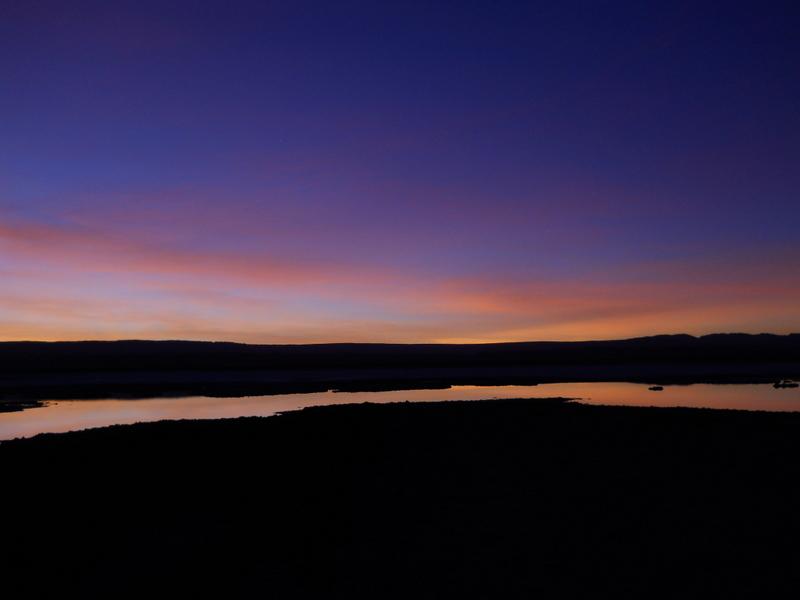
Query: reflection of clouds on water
81, 414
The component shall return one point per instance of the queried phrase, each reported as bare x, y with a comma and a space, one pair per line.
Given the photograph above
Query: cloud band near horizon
70, 282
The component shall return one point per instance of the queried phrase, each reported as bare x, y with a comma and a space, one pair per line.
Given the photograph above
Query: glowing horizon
282, 174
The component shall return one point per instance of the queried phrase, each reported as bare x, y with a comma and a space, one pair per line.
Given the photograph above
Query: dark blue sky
398, 171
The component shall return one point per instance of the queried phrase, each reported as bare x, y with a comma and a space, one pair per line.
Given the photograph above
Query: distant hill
67, 357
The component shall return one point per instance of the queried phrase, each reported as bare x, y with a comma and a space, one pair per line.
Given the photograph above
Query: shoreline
15, 388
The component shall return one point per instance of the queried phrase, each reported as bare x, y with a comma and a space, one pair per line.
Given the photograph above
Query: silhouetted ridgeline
30, 357
505, 499
31, 371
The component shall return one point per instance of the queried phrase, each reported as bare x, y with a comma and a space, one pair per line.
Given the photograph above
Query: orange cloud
51, 291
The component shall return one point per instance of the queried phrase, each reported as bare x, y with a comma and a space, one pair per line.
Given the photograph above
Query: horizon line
493, 343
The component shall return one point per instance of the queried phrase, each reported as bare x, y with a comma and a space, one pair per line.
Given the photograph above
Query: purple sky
410, 171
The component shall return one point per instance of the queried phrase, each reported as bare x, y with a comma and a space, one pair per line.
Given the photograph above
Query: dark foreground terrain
31, 371
451, 500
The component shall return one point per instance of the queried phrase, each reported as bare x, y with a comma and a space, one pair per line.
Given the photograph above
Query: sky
297, 172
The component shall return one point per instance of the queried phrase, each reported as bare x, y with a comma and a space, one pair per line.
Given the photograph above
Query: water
70, 415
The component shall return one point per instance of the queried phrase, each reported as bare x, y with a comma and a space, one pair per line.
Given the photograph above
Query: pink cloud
74, 282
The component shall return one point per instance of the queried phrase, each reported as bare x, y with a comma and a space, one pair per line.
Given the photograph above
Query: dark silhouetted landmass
31, 370
493, 499
38, 357
18, 405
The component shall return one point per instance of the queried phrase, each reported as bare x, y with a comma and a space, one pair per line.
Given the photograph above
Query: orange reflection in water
81, 414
